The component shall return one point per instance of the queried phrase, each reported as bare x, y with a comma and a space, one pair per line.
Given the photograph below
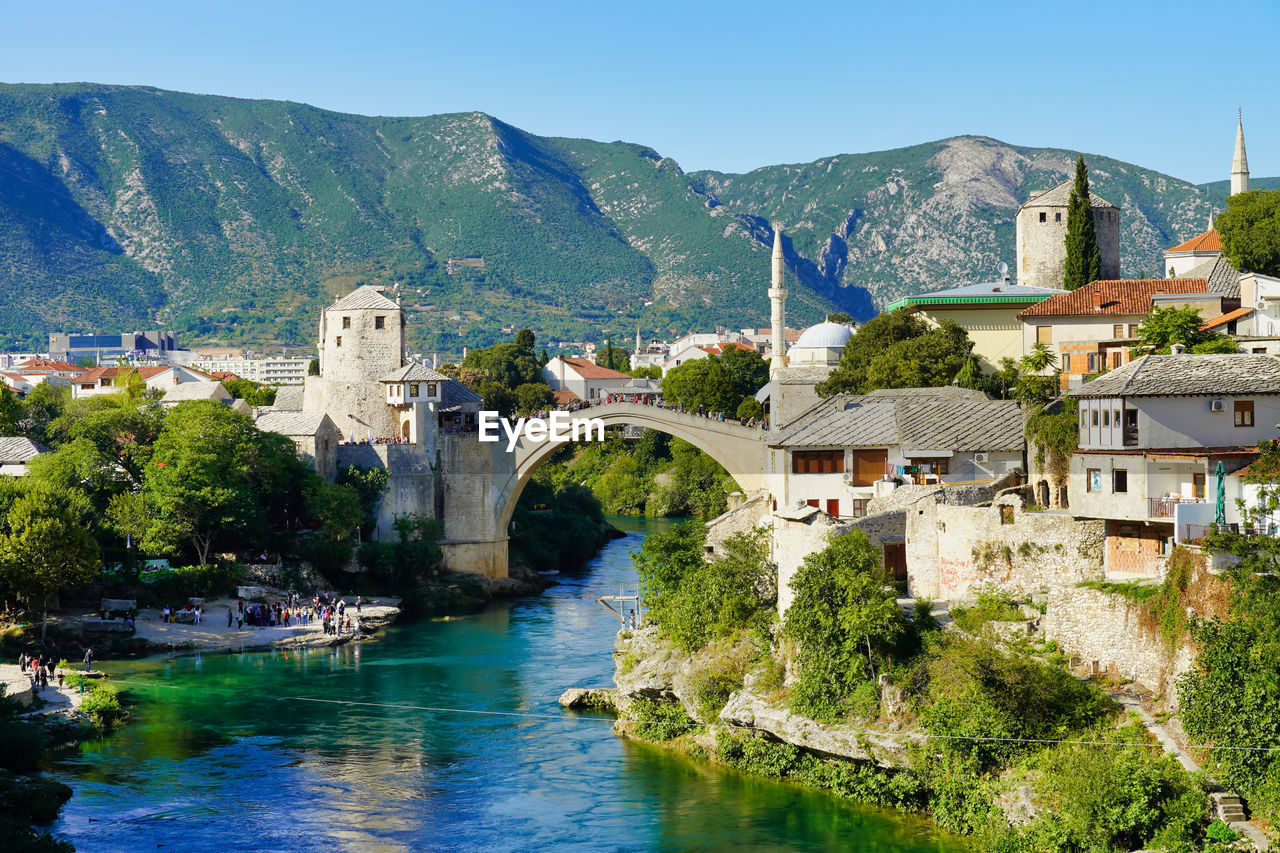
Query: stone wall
750, 515
953, 552
1106, 634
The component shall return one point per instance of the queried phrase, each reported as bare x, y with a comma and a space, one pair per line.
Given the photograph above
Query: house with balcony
1153, 434
847, 449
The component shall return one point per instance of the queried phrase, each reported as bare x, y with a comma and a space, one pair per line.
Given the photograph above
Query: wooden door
867, 466
895, 560
833, 506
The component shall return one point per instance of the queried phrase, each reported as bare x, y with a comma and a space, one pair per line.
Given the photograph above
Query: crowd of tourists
328, 610
40, 669
657, 401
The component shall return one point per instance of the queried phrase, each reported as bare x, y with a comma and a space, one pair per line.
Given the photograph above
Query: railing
1194, 534
1164, 507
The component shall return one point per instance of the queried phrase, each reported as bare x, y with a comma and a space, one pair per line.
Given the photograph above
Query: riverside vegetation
999, 742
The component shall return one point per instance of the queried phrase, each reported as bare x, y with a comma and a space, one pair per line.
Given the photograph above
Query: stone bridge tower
361, 342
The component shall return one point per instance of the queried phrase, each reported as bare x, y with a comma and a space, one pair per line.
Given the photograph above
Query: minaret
778, 305
637, 338
1239, 163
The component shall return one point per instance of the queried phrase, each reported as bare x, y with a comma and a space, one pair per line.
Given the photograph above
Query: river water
350, 749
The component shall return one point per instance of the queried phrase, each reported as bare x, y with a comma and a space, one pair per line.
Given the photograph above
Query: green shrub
991, 607
712, 689
659, 721
101, 704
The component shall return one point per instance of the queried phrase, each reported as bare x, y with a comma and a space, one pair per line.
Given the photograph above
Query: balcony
1165, 507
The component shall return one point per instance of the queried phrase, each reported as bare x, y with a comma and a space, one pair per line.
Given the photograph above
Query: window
1092, 362
413, 389
1093, 480
1095, 417
1117, 331
859, 507
1115, 358
833, 506
813, 502
379, 322
1106, 417
1084, 419
1115, 417
337, 341
1057, 217
346, 322
817, 462
1133, 330
1044, 334
1197, 486
932, 466
1244, 413
431, 389
1044, 217
1259, 350
1119, 480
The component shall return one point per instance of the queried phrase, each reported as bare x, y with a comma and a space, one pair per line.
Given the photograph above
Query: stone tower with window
361, 342
1042, 235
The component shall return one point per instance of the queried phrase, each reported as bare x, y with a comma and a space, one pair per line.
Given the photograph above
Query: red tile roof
1223, 319
718, 349
1114, 296
1209, 241
588, 369
45, 365
564, 398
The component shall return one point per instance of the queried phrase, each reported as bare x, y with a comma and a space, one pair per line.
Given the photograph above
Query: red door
813, 502
833, 506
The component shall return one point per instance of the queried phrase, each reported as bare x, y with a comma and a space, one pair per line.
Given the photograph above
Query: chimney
1177, 349
1097, 299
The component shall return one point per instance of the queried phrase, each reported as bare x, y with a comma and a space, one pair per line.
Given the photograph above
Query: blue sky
728, 86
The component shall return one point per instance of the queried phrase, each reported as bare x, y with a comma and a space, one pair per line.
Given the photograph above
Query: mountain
235, 220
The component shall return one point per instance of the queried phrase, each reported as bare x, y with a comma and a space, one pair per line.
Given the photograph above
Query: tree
533, 397
313, 367
1164, 327
46, 546
614, 358
651, 372
840, 317
1084, 261
899, 350
842, 611
252, 393
525, 340
702, 382
1034, 387
10, 411
200, 485
1250, 231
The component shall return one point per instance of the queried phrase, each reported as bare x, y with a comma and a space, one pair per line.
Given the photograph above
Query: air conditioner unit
847, 477
981, 458
1217, 405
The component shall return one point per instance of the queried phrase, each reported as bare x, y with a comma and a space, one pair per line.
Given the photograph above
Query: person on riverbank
164, 615
61, 677
88, 658
357, 604
230, 617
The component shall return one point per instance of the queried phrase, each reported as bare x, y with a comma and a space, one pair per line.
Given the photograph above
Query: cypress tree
1084, 261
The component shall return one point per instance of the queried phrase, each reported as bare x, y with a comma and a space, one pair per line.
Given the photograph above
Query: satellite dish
1003, 268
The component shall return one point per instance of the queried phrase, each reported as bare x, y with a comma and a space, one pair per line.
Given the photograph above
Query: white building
582, 377
101, 380
1152, 434
16, 453
836, 455
265, 371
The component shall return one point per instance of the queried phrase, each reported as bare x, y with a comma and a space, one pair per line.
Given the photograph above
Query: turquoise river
349, 749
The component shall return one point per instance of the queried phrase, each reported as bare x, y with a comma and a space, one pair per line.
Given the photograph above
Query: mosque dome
824, 335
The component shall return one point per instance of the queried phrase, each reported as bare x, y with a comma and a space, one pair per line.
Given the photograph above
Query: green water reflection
226, 752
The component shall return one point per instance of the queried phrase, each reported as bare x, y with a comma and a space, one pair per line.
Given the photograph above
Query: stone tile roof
288, 399
364, 297
196, 391
941, 421
1059, 196
1188, 375
1224, 278
1114, 296
454, 394
1208, 241
945, 392
294, 423
990, 288
15, 449
414, 373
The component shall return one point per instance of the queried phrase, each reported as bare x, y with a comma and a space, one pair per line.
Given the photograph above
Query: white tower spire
778, 305
1240, 162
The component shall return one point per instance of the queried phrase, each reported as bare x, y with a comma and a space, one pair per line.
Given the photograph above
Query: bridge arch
740, 450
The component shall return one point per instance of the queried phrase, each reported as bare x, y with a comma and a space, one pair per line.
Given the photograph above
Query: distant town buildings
272, 370
153, 345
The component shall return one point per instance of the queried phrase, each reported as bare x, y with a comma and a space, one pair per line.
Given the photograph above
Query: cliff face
237, 219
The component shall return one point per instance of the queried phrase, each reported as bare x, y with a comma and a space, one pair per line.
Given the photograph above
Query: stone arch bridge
739, 449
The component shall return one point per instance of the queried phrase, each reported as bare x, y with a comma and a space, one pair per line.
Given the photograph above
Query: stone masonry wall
1105, 633
751, 515
953, 552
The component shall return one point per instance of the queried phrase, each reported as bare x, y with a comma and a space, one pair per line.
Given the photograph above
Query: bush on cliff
844, 617
693, 600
